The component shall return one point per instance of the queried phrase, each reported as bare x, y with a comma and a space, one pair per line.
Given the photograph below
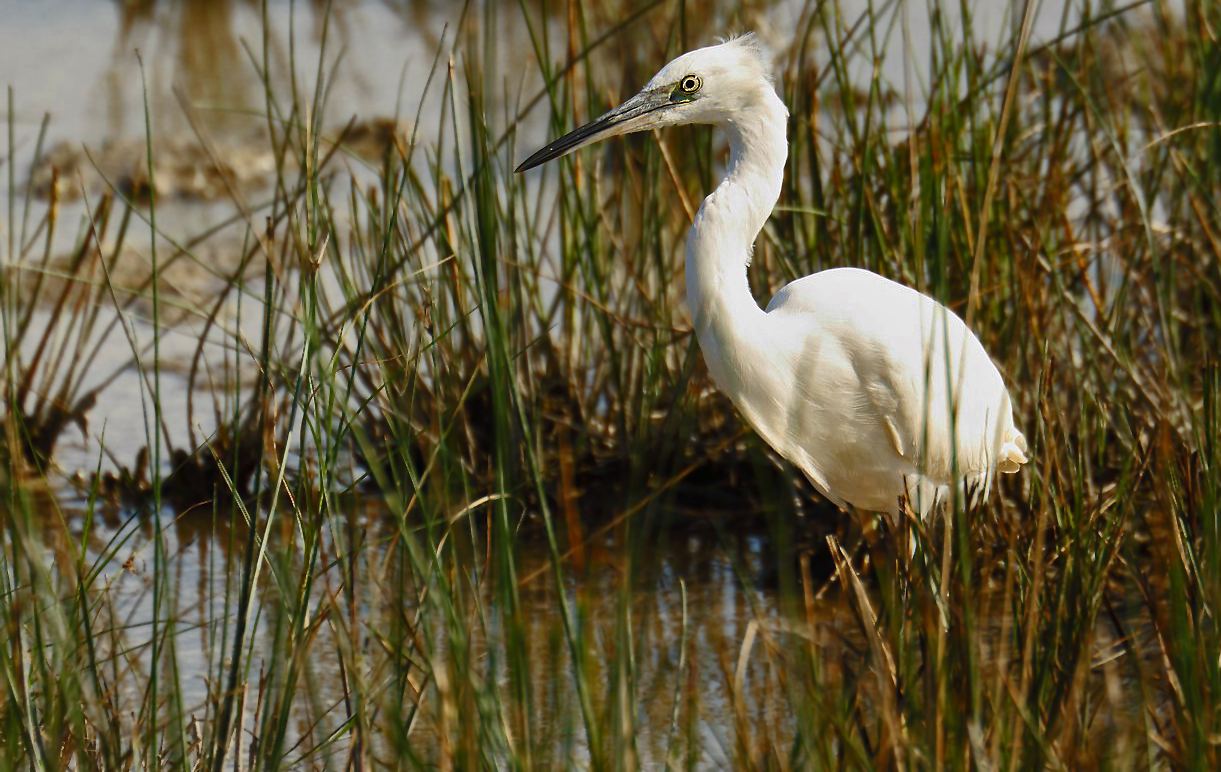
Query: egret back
907, 398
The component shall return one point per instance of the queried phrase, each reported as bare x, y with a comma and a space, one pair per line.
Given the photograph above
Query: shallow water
702, 597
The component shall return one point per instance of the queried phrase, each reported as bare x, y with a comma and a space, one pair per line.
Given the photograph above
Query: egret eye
690, 84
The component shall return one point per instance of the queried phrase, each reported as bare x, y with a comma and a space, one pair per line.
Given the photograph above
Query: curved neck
721, 239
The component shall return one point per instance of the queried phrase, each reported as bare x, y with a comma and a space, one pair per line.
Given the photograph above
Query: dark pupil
689, 84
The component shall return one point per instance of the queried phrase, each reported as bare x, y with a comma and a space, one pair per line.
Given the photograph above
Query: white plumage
873, 390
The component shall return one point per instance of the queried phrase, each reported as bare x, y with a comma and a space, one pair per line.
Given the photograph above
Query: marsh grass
504, 365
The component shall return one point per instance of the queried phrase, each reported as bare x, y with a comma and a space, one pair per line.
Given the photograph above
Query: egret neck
728, 321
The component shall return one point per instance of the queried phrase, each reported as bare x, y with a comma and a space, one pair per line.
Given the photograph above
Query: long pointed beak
636, 114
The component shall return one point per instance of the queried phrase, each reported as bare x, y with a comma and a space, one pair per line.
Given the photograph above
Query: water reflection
710, 636
714, 642
207, 57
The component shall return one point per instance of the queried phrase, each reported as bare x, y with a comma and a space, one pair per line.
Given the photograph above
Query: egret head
716, 85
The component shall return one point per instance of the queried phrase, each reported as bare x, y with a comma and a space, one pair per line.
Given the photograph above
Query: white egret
872, 389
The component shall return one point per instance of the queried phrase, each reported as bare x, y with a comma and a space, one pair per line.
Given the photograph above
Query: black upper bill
569, 142
641, 104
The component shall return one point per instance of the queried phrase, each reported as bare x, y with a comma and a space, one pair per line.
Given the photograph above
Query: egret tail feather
1013, 453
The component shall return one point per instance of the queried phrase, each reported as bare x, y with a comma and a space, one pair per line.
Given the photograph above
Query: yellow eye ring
689, 84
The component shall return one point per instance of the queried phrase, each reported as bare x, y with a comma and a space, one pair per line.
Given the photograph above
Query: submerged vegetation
444, 424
